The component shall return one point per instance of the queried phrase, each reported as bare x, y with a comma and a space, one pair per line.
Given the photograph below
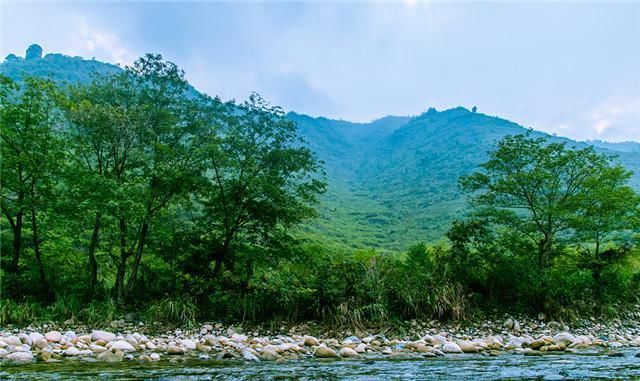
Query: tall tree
167, 122
261, 181
30, 157
102, 141
535, 187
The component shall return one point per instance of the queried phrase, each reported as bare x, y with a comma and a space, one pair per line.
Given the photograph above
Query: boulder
122, 345
310, 341
188, 344
564, 338
348, 352
20, 356
53, 336
325, 352
35, 336
175, 350
467, 346
154, 357
12, 340
102, 335
249, 356
451, 348
111, 356
268, 353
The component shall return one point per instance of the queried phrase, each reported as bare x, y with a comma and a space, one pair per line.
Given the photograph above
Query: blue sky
568, 68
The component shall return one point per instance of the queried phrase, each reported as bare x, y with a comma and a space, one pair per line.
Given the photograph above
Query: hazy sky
567, 68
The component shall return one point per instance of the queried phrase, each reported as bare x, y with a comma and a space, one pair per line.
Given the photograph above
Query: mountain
393, 181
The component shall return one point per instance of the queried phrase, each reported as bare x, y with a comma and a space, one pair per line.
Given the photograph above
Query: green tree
31, 156
102, 141
536, 187
261, 181
167, 122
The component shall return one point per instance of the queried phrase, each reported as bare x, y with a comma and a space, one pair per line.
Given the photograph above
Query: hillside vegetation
127, 189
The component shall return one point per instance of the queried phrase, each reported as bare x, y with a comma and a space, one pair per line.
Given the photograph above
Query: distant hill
393, 181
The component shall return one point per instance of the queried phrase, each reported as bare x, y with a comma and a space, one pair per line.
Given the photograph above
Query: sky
569, 68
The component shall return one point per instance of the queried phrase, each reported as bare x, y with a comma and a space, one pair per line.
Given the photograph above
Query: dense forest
131, 191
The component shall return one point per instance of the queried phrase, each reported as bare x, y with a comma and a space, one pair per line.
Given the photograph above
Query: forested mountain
392, 182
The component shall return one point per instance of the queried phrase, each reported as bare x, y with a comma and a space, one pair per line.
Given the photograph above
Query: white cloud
90, 40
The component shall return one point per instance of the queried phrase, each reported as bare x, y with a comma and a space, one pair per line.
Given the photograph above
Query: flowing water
460, 367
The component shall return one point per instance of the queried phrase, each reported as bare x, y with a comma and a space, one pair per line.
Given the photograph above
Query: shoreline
136, 341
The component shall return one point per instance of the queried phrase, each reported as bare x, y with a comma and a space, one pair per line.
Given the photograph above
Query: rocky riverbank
138, 342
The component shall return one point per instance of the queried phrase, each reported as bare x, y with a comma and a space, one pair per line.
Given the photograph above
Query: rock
117, 324
188, 344
13, 340
530, 352
310, 341
564, 338
111, 356
451, 348
467, 346
102, 335
325, 352
269, 354
175, 350
554, 325
35, 337
97, 348
22, 348
45, 356
73, 351
361, 348
70, 335
348, 352
53, 336
20, 356
3, 353
536, 344
509, 323
638, 354
154, 357
144, 358
122, 345
249, 356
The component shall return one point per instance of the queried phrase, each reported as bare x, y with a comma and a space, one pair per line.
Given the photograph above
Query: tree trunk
17, 244
36, 249
93, 263
122, 265
136, 264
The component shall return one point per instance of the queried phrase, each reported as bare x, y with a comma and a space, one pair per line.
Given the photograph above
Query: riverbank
140, 342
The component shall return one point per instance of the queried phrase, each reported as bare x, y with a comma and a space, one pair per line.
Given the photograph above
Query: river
458, 367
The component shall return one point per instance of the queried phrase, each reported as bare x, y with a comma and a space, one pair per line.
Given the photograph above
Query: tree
167, 121
101, 138
30, 158
261, 181
536, 187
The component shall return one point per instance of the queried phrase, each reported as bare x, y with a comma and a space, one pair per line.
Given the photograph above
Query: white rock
451, 348
12, 340
154, 357
22, 348
53, 336
122, 346
348, 352
35, 336
102, 335
73, 351
70, 335
20, 356
188, 344
564, 338
246, 353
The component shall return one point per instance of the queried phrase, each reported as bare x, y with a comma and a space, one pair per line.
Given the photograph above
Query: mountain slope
392, 182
